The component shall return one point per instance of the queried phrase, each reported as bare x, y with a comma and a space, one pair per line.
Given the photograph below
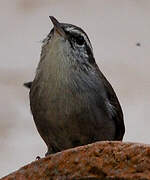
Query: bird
72, 102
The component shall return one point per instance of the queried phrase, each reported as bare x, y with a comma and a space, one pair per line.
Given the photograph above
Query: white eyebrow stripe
72, 29
69, 28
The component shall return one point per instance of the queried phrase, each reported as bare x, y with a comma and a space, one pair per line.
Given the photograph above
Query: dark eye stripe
75, 33
76, 37
80, 40
79, 32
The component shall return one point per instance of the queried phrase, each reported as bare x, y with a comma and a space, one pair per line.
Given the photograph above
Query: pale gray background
114, 28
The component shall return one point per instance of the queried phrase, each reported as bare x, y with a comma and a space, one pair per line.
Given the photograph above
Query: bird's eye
80, 40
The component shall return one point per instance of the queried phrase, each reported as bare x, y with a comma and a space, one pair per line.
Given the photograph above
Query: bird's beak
57, 27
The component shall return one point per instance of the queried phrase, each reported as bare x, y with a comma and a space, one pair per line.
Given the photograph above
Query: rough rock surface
101, 160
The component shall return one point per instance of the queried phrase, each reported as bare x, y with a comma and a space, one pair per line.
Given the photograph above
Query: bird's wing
117, 114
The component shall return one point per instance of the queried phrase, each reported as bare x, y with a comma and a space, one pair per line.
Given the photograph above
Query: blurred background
120, 35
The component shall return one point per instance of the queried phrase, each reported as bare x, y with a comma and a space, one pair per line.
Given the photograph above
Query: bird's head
70, 43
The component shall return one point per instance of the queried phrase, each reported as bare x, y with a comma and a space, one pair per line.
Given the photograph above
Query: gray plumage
71, 101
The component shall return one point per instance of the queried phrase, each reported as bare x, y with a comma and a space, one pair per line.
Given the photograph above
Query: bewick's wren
71, 101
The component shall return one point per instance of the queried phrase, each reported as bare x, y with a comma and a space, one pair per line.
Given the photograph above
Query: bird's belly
65, 120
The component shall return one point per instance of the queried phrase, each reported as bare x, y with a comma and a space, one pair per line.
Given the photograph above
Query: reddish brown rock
101, 160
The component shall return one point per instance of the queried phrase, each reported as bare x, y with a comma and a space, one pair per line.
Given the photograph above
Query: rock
102, 160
